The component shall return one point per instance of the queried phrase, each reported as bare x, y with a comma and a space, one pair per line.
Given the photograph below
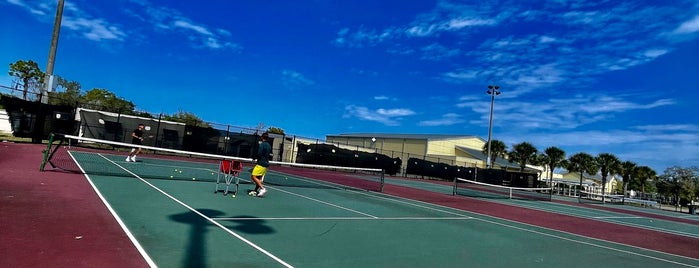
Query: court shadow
249, 225
196, 248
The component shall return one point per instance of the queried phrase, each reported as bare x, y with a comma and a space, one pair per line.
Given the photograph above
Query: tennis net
476, 189
107, 158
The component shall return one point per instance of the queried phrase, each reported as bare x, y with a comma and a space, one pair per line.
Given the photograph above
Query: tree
553, 158
628, 170
29, 73
143, 114
581, 163
643, 174
102, 99
69, 96
522, 153
187, 118
497, 149
608, 163
681, 183
275, 130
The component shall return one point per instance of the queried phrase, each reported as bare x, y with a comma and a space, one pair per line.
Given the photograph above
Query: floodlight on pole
493, 90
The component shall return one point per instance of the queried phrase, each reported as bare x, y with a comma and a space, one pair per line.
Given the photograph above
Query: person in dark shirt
264, 150
136, 138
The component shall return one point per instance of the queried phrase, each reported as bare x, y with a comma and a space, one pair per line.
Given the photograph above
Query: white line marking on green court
323, 202
138, 246
204, 216
343, 218
617, 217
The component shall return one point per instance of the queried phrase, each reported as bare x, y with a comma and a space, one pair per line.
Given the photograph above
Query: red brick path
55, 219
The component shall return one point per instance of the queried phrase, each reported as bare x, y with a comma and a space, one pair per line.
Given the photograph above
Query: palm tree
628, 169
608, 163
497, 149
644, 173
553, 156
522, 153
581, 163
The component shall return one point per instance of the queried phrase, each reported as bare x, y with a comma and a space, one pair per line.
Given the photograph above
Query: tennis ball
170, 177
232, 196
180, 171
194, 179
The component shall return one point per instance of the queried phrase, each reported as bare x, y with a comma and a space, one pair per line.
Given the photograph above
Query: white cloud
388, 117
654, 53
295, 80
547, 39
570, 44
173, 21
555, 114
190, 26
428, 29
394, 112
87, 26
446, 120
687, 27
94, 29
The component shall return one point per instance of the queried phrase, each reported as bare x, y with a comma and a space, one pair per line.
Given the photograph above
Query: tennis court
174, 212
309, 223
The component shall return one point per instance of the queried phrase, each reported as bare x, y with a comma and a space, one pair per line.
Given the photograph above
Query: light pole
492, 91
50, 82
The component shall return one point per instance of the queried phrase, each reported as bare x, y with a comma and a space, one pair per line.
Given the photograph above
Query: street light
492, 91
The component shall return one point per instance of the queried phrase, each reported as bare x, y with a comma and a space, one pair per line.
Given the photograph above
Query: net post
383, 171
453, 190
510, 193
46, 152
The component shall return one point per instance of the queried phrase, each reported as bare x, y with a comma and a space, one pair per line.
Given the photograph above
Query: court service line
131, 237
318, 200
324, 202
241, 238
344, 218
617, 217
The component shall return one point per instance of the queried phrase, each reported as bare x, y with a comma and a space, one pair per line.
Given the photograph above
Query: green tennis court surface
304, 223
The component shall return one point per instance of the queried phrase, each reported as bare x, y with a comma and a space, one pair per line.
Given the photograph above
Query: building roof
595, 177
498, 161
406, 136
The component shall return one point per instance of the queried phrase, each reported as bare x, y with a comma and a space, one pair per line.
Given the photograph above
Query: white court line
318, 200
324, 202
344, 218
203, 216
618, 217
138, 246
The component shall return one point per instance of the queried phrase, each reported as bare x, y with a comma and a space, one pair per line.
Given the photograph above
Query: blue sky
619, 77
